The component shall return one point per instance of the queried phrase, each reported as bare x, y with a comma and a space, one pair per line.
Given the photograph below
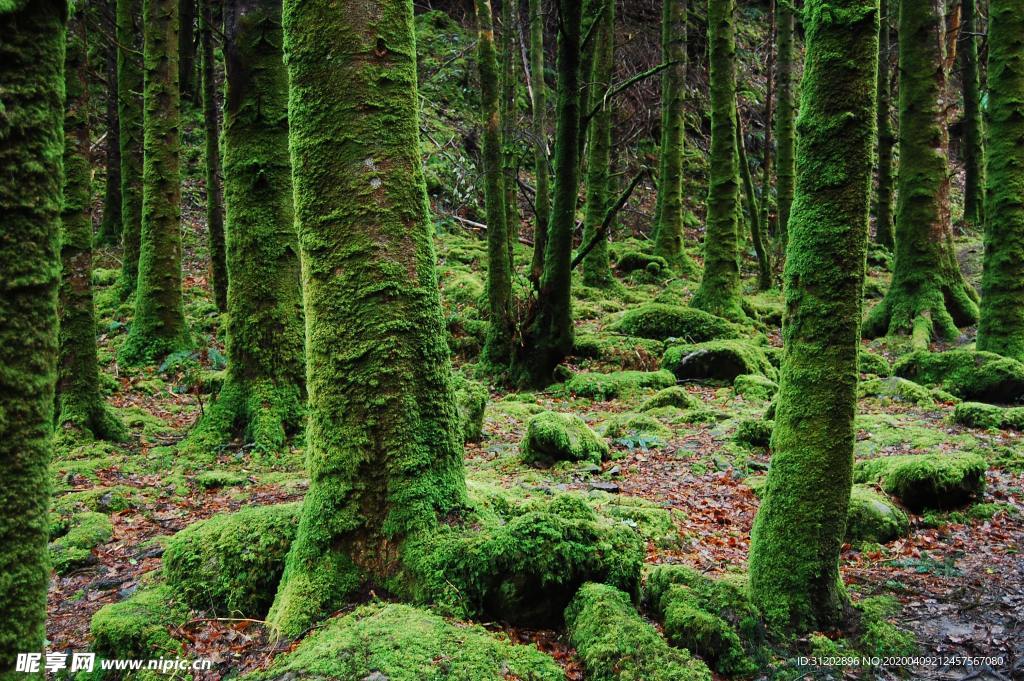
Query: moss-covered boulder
85, 531
626, 352
873, 363
632, 261
755, 387
396, 642
642, 427
721, 360
980, 415
895, 389
968, 374
615, 643
754, 432
471, 401
920, 481
232, 563
676, 396
617, 383
660, 322
551, 437
873, 518
139, 626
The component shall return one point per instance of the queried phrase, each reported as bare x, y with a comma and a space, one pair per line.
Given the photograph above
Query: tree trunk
542, 200
886, 137
1002, 306
158, 327
764, 265
928, 297
799, 529
110, 226
767, 168
186, 48
129, 120
214, 193
31, 147
785, 122
508, 116
973, 151
383, 463
719, 291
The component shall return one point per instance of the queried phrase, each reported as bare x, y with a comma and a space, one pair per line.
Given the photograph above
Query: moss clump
871, 363
463, 289
879, 636
138, 626
471, 401
755, 387
660, 321
754, 432
554, 437
895, 389
232, 563
627, 352
632, 261
926, 480
721, 360
217, 478
979, 415
74, 549
648, 519
402, 643
615, 643
968, 374
671, 397
635, 426
616, 384
873, 518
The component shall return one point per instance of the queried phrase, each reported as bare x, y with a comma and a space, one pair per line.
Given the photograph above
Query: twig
608, 218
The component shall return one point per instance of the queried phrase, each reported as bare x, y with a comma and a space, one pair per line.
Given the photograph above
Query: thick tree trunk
31, 149
110, 226
1002, 306
973, 150
764, 265
799, 529
542, 200
886, 137
383, 463
785, 122
129, 121
719, 291
158, 327
214, 193
186, 48
928, 297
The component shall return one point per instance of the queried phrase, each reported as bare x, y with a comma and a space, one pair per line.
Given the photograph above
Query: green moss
872, 363
217, 479
463, 289
985, 511
755, 387
633, 261
969, 374
873, 518
74, 549
878, 635
895, 389
552, 437
754, 432
632, 427
626, 352
651, 521
661, 322
138, 627
616, 644
675, 396
471, 400
922, 481
617, 384
130, 134
721, 360
980, 415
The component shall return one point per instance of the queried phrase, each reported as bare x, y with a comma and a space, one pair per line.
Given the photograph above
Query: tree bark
508, 114
186, 48
785, 122
973, 149
214, 193
129, 120
542, 200
764, 265
886, 137
110, 225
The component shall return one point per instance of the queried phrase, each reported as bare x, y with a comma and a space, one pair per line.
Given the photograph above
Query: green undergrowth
73, 549
139, 626
617, 384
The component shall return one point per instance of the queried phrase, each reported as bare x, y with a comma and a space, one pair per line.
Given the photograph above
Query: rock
755, 387
920, 481
676, 396
896, 389
721, 360
968, 374
617, 383
659, 322
609, 487
980, 415
873, 518
552, 437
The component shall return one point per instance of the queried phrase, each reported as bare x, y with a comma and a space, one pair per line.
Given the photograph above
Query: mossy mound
617, 384
754, 432
895, 389
616, 644
231, 563
552, 437
873, 363
920, 481
626, 352
471, 401
721, 360
660, 322
402, 643
632, 261
879, 636
138, 627
218, 478
652, 522
980, 415
968, 374
755, 387
675, 396
85, 531
463, 288
873, 518
635, 427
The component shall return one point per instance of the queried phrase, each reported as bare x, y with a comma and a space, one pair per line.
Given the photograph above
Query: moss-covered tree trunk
799, 529
886, 136
768, 167
719, 291
31, 150
1002, 306
548, 333
186, 48
764, 265
385, 462
928, 297
596, 267
262, 395
509, 165
158, 327
668, 237
785, 121
539, 128
214, 193
973, 150
110, 225
129, 121
80, 405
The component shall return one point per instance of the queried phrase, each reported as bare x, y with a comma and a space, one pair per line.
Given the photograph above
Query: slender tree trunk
31, 149
542, 201
928, 297
158, 327
80, 405
799, 529
886, 137
973, 150
186, 48
767, 169
588, 20
719, 291
129, 120
383, 463
110, 226
508, 115
764, 265
1002, 306
214, 193
785, 122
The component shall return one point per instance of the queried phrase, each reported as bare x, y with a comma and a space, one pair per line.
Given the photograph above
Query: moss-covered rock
755, 387
721, 360
675, 396
138, 627
980, 415
873, 518
632, 261
754, 432
231, 563
627, 352
873, 363
552, 437
660, 322
922, 481
399, 642
635, 426
895, 389
968, 374
617, 384
616, 644
85, 531
471, 401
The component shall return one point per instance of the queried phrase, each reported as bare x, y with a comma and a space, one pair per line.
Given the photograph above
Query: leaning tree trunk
785, 122
186, 48
383, 463
719, 291
542, 199
1002, 307
886, 137
80, 405
799, 529
928, 296
110, 225
129, 120
214, 193
764, 265
31, 149
158, 327
973, 150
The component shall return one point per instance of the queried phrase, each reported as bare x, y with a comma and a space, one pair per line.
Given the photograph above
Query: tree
768, 167
928, 296
973, 150
764, 265
110, 225
1002, 306
130, 133
719, 291
383, 462
669, 211
799, 529
785, 128
886, 137
186, 48
509, 164
31, 150
80, 405
542, 200
596, 268
214, 193
158, 327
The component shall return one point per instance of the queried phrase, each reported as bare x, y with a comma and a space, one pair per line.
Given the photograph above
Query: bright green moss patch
648, 519
217, 478
754, 432
138, 627
721, 360
633, 261
616, 644
980, 415
872, 363
873, 518
968, 374
895, 389
634, 427
402, 643
985, 511
926, 480
675, 396
755, 387
627, 352
85, 532
879, 636
617, 384
660, 322
471, 401
552, 437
